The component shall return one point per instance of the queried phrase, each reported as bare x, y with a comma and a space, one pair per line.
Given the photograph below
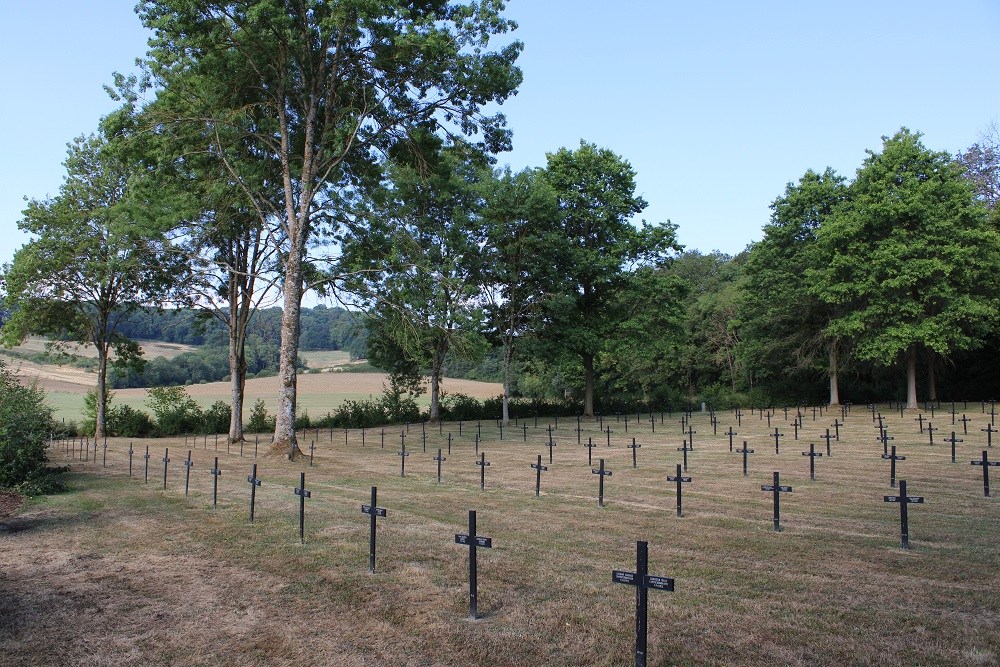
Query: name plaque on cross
474, 542
373, 510
643, 581
904, 500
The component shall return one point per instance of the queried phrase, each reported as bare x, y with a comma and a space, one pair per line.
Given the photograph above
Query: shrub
175, 411
125, 421
25, 423
217, 417
260, 421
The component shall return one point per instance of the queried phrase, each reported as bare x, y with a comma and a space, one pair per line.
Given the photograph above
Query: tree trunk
238, 378
284, 428
834, 386
911, 379
588, 394
508, 356
436, 364
101, 422
931, 379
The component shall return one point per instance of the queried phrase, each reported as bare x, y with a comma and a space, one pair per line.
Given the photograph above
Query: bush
25, 423
175, 411
260, 421
217, 418
126, 422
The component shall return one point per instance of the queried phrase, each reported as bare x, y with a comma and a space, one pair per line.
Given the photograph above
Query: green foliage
176, 412
124, 421
217, 417
260, 421
25, 424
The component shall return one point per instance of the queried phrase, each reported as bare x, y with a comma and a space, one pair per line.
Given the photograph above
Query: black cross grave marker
104, 459
312, 451
892, 458
633, 447
795, 425
254, 483
691, 438
302, 492
590, 451
130, 459
986, 463
813, 455
744, 452
642, 581
482, 463
538, 475
920, 421
372, 511
989, 431
602, 473
440, 459
965, 424
679, 479
930, 432
904, 522
731, 433
777, 489
187, 472
402, 459
953, 440
474, 541
884, 437
827, 437
776, 436
551, 445
166, 460
685, 449
215, 472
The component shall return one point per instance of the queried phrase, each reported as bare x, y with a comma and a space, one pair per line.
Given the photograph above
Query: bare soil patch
9, 502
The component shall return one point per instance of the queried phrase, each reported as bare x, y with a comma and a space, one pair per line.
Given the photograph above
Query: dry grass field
122, 572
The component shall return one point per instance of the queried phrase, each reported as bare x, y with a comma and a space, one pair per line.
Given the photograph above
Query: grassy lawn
124, 572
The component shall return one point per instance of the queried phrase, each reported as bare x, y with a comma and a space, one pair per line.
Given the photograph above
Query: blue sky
717, 105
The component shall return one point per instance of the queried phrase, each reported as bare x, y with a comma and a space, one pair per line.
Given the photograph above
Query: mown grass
832, 588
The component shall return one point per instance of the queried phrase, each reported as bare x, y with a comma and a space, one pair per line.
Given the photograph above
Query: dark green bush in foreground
25, 424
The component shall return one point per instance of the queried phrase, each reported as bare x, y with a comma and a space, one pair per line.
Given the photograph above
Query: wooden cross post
776, 436
473, 541
986, 463
147, 465
813, 455
744, 452
930, 432
423, 435
302, 493
884, 437
372, 511
187, 472
777, 489
965, 424
104, 459
590, 451
642, 581
953, 440
166, 460
680, 480
892, 458
691, 438
920, 421
482, 463
312, 452
130, 459
731, 433
685, 449
989, 431
795, 425
215, 471
402, 457
552, 444
254, 483
602, 473
836, 428
609, 435
828, 438
440, 459
633, 447
538, 475
904, 500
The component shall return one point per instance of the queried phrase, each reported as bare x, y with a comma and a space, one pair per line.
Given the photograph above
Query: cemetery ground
122, 571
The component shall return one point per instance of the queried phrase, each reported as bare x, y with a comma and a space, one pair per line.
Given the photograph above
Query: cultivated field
119, 571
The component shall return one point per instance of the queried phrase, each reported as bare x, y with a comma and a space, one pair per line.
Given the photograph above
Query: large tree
418, 262
90, 261
517, 269
910, 260
783, 325
597, 250
331, 85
